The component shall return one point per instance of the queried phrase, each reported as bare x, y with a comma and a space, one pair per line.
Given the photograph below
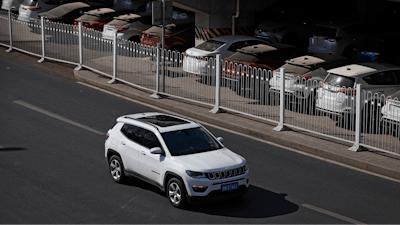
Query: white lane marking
245, 135
58, 117
329, 213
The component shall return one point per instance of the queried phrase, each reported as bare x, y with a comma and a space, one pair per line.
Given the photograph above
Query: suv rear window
30, 2
325, 31
210, 45
338, 80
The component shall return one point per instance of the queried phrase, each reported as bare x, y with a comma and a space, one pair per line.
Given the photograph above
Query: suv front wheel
116, 169
176, 193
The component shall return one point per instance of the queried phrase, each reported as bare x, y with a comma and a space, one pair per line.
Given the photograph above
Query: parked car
129, 26
382, 50
95, 19
196, 58
336, 95
177, 155
67, 13
12, 5
391, 113
294, 26
29, 9
341, 37
179, 35
304, 74
238, 67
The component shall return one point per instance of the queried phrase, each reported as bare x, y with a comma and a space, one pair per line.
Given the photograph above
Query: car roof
161, 121
352, 70
309, 60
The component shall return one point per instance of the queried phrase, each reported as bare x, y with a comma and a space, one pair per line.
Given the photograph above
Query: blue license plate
230, 187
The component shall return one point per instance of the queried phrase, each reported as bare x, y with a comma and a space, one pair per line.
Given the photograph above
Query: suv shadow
257, 203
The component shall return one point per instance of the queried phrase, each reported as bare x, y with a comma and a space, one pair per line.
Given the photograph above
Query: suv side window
150, 140
134, 133
381, 78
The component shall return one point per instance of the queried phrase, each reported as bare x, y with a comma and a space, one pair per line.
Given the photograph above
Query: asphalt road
52, 167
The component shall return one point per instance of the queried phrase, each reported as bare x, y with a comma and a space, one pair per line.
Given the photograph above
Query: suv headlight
196, 174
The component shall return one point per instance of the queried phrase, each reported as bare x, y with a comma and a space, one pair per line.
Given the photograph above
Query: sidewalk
373, 161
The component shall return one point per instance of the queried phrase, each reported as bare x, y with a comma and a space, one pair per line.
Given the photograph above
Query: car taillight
167, 36
348, 91
34, 8
120, 29
107, 136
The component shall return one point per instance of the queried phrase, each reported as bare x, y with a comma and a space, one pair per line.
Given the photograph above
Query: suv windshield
210, 45
337, 80
190, 141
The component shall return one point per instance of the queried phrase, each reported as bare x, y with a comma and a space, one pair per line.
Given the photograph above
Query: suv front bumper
218, 196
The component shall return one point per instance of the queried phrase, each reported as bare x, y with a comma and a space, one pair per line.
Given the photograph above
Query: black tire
176, 193
116, 169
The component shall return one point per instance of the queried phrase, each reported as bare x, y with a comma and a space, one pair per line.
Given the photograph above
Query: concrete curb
328, 149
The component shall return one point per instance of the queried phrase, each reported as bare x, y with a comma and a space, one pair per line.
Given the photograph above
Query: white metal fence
288, 101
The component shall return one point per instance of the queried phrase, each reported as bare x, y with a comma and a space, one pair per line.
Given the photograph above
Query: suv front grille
227, 173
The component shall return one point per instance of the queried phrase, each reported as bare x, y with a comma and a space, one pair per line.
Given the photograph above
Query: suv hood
210, 161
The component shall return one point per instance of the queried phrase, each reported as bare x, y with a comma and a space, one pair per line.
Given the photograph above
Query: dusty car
179, 35
196, 58
29, 9
382, 50
67, 13
336, 94
97, 18
341, 37
391, 114
128, 26
12, 5
237, 68
304, 74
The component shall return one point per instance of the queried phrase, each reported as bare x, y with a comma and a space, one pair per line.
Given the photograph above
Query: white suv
179, 156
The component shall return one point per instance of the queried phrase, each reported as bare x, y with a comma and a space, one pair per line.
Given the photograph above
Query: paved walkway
373, 161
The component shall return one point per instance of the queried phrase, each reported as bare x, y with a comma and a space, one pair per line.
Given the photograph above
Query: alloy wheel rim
115, 169
174, 193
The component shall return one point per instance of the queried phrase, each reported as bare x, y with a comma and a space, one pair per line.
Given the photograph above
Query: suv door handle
143, 153
122, 143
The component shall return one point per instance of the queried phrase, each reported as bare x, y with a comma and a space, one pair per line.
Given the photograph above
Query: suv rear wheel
116, 169
176, 193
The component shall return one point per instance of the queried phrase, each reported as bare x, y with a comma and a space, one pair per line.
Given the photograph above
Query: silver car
12, 5
196, 58
304, 74
336, 94
29, 9
391, 113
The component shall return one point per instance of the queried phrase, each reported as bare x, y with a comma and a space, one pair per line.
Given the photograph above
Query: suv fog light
198, 188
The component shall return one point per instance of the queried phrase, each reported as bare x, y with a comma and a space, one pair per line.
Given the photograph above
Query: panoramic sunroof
163, 120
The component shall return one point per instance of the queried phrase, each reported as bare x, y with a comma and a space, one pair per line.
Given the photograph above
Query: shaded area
5, 149
257, 203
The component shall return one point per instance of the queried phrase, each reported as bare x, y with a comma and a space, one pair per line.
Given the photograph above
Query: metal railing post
112, 81
281, 125
80, 50
216, 108
43, 40
10, 30
356, 146
155, 94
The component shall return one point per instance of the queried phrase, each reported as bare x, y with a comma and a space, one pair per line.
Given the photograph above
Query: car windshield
295, 69
338, 80
190, 141
210, 45
30, 2
325, 31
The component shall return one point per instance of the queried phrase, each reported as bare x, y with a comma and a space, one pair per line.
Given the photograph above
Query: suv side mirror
156, 150
220, 139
